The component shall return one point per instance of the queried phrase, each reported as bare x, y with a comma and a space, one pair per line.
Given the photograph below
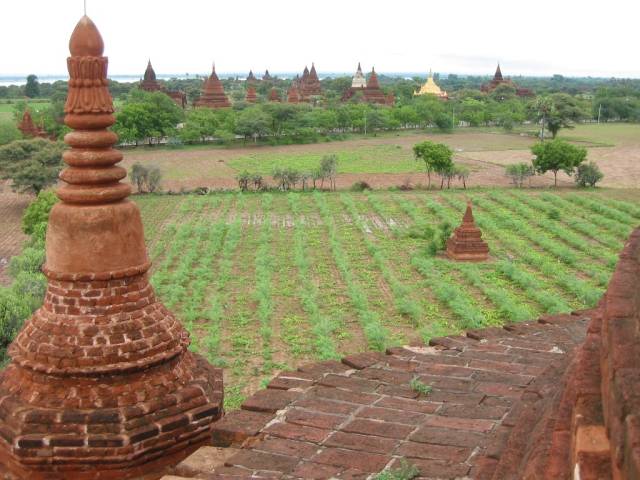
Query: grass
266, 282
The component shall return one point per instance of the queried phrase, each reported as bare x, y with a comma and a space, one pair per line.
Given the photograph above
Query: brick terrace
354, 418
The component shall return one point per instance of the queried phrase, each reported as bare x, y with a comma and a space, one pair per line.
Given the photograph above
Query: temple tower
359, 80
28, 128
100, 383
251, 96
274, 95
466, 242
372, 92
149, 82
431, 88
213, 95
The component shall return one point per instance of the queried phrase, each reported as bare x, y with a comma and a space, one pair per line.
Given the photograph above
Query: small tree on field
519, 173
145, 178
32, 88
243, 179
436, 157
588, 174
463, 173
37, 212
557, 155
329, 169
31, 165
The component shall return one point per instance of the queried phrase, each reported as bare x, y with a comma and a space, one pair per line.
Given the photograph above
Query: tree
8, 133
329, 169
463, 173
31, 165
253, 122
557, 155
37, 212
564, 113
519, 172
145, 177
147, 116
437, 157
32, 88
588, 174
541, 109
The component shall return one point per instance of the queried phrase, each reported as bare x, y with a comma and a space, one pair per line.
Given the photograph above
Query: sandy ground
11, 236
485, 154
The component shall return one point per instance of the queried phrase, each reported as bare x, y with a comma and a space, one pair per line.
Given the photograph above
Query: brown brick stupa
466, 242
274, 95
251, 96
213, 95
28, 128
149, 82
100, 384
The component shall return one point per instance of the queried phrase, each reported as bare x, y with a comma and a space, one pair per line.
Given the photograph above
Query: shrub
519, 173
588, 174
38, 211
145, 178
360, 186
243, 179
407, 471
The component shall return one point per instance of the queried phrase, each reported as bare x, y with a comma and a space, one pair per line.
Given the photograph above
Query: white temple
359, 80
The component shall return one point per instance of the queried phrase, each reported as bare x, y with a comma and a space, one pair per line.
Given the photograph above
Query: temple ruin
213, 95
466, 242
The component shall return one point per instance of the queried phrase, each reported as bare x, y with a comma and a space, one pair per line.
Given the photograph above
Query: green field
267, 281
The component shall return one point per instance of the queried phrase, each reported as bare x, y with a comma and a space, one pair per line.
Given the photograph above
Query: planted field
266, 282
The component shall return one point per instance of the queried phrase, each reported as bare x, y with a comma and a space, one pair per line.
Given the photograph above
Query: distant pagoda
251, 78
372, 92
213, 95
466, 243
28, 128
431, 88
498, 80
251, 96
293, 94
359, 80
274, 95
149, 83
266, 77
309, 86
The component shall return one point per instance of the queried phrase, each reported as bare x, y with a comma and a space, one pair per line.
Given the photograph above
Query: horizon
399, 41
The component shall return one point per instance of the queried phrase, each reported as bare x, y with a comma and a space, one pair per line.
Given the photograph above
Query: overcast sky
539, 37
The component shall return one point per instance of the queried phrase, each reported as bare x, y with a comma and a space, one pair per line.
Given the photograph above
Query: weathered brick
313, 419
378, 428
432, 451
448, 436
391, 415
367, 443
282, 446
269, 400
364, 461
237, 426
256, 460
297, 432
459, 423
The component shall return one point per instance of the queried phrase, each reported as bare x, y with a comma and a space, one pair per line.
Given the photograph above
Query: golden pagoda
431, 88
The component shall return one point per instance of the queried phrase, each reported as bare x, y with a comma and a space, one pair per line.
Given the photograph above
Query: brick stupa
274, 95
309, 84
213, 95
100, 384
466, 242
149, 83
372, 92
293, 94
251, 96
28, 128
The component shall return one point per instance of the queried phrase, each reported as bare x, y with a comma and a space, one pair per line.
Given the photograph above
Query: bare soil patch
12, 206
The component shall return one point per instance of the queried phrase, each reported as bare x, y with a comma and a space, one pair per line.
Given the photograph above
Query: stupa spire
466, 243
100, 383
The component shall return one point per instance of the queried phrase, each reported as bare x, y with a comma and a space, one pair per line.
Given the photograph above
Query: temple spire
114, 354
